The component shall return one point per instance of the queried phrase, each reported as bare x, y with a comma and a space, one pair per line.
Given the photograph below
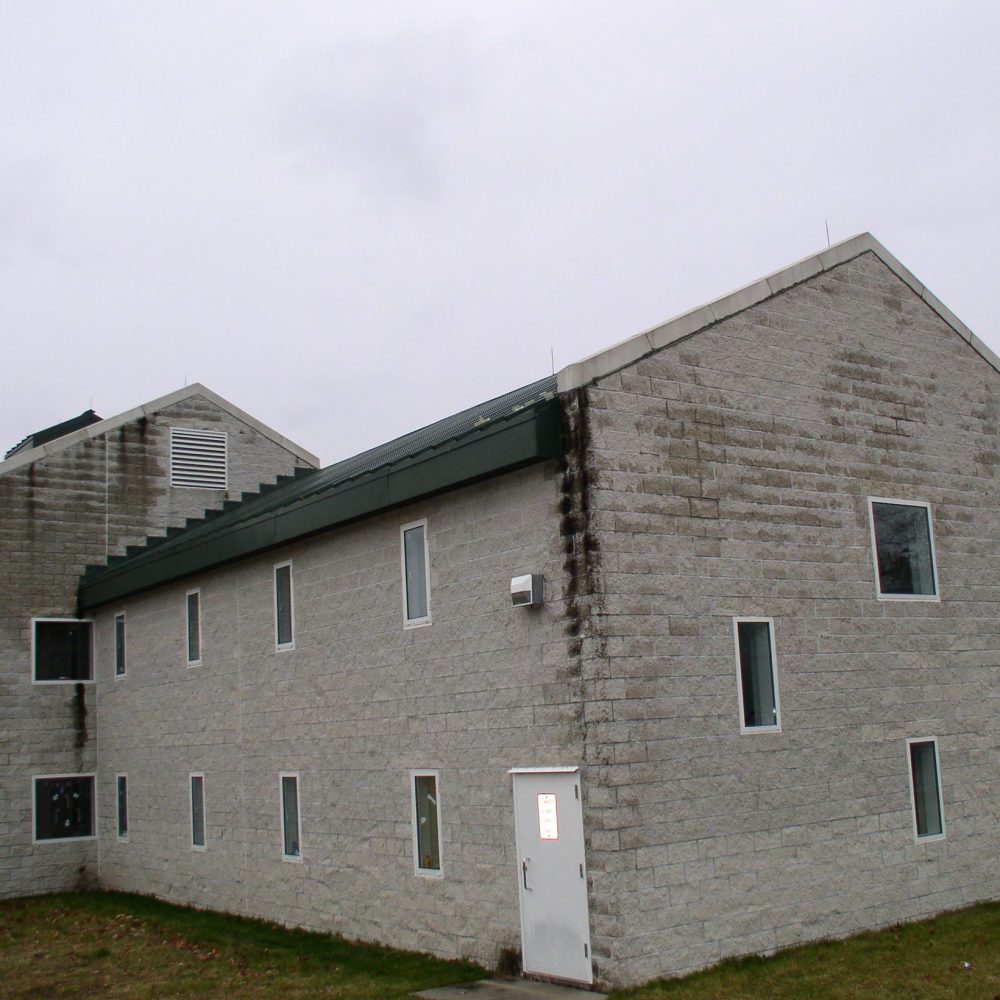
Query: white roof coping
622, 354
148, 409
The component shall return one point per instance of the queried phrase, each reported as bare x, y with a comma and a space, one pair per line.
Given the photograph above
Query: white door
551, 875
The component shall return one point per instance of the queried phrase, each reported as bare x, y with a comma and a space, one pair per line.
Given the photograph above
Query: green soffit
507, 433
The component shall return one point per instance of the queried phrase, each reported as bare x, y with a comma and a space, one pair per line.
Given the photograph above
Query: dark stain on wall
581, 555
80, 716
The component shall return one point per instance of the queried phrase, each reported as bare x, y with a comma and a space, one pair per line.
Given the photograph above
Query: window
120, 645
121, 801
193, 614
290, 832
925, 786
61, 649
284, 619
416, 577
64, 807
198, 812
758, 679
197, 459
426, 823
903, 543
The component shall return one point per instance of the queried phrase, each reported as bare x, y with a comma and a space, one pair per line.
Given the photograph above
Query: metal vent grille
197, 459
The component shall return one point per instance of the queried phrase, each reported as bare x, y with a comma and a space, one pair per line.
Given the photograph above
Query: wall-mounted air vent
197, 459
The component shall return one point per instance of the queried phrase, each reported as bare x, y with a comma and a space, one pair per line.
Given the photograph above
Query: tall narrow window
758, 682
64, 807
120, 645
284, 619
290, 830
61, 649
198, 811
426, 823
122, 806
193, 601
416, 579
925, 785
903, 543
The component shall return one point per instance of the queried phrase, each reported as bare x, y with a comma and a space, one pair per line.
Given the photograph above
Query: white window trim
123, 837
417, 869
294, 858
114, 670
936, 596
93, 805
425, 619
187, 627
204, 811
282, 646
928, 838
31, 661
774, 675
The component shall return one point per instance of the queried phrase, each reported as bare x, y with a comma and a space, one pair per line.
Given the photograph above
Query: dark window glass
64, 807
62, 651
193, 627
760, 703
119, 645
428, 840
122, 805
283, 604
415, 562
903, 546
290, 815
926, 793
197, 810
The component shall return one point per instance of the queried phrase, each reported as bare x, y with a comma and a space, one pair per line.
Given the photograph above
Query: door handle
524, 873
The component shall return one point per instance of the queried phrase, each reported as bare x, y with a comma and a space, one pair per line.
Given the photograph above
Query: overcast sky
351, 219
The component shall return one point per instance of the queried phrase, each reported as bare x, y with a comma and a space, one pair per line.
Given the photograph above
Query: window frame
121, 654
35, 778
282, 776
917, 836
34, 649
121, 778
418, 869
196, 592
204, 812
278, 645
936, 596
758, 620
425, 619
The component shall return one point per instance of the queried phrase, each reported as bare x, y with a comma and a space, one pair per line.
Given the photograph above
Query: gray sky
351, 219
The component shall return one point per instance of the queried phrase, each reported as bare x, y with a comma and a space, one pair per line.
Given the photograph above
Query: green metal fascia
520, 440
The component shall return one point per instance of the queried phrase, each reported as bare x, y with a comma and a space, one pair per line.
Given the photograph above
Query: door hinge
586, 952
576, 790
581, 871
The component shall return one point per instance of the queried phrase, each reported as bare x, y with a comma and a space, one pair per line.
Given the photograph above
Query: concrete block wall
353, 708
728, 475
62, 512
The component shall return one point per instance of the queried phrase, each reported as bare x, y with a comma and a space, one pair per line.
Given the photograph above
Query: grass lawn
955, 956
115, 945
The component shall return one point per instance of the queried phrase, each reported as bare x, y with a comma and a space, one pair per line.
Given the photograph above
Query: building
688, 652
79, 492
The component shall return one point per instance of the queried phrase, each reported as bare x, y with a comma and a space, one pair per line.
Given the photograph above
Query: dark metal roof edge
527, 436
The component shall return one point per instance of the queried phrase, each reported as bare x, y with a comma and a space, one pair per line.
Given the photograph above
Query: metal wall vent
197, 459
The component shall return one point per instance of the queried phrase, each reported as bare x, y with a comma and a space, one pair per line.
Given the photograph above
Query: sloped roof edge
627, 351
145, 410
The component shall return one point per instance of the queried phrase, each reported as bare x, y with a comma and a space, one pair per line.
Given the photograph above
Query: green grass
115, 945
955, 956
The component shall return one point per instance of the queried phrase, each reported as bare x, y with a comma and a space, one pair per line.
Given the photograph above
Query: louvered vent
197, 459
